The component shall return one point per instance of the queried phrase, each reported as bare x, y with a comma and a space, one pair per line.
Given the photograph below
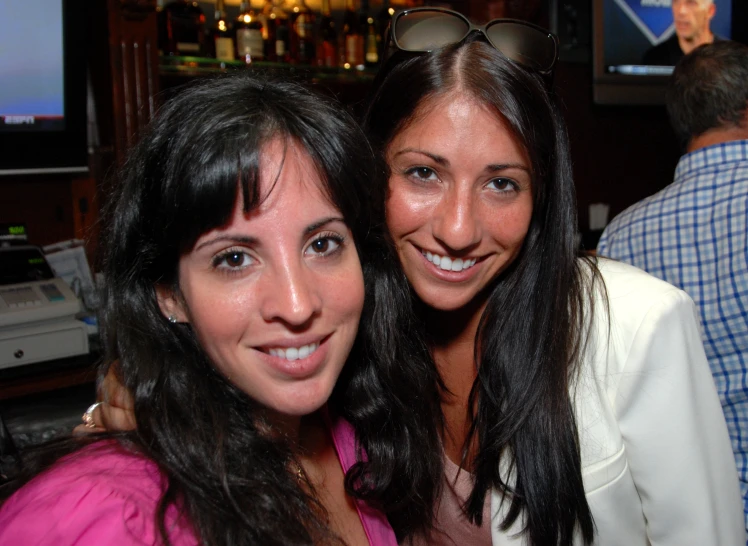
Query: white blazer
657, 463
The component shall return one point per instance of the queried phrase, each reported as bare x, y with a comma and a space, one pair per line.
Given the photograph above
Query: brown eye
325, 245
232, 260
503, 185
421, 173
235, 259
321, 245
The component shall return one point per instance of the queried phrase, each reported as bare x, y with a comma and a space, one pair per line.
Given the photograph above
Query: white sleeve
675, 434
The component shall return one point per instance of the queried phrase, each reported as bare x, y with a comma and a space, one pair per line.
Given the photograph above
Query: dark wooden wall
621, 154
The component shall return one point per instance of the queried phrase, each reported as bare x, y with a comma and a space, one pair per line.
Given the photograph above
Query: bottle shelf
189, 67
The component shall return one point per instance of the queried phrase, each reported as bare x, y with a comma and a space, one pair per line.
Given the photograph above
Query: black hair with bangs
200, 155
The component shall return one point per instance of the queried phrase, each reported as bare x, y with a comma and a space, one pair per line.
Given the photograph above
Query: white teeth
294, 353
448, 264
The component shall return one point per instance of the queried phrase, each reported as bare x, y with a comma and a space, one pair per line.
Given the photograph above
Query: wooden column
133, 70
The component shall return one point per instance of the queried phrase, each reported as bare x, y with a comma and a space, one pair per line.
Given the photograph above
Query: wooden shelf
191, 67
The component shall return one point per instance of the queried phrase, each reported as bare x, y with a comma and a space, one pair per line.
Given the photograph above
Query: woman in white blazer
575, 402
651, 430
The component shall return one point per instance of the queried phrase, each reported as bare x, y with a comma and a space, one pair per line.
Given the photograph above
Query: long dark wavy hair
201, 153
198, 156
531, 335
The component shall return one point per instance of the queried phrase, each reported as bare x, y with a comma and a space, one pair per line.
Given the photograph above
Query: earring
172, 319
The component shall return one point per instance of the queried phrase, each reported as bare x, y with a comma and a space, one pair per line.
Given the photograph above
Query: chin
440, 300
297, 402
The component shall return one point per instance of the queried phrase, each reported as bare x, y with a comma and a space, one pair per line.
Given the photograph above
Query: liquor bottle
249, 44
383, 23
303, 44
162, 39
353, 38
278, 34
222, 33
185, 28
327, 38
369, 30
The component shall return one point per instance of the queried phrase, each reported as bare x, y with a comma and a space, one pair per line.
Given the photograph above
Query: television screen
635, 47
31, 97
43, 92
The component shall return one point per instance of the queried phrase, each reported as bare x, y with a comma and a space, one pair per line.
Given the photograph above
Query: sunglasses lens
425, 30
523, 44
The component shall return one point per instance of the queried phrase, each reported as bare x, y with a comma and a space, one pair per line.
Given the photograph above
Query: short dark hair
708, 89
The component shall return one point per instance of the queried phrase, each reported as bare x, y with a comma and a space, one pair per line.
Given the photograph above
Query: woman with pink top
232, 297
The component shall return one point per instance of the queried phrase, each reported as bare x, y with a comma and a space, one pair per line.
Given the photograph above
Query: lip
302, 367
449, 276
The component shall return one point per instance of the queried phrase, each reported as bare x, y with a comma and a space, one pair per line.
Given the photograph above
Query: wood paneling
133, 57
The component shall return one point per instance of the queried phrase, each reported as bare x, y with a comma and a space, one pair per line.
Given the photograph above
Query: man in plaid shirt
694, 233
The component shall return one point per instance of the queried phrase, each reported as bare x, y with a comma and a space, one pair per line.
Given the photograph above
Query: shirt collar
716, 154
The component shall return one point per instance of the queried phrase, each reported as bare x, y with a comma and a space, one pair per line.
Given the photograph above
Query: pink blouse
452, 527
105, 494
102, 494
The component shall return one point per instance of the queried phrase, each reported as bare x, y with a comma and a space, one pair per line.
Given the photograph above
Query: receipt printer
37, 311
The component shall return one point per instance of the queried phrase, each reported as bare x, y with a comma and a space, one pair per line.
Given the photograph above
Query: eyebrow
253, 241
240, 239
492, 168
322, 223
504, 166
436, 158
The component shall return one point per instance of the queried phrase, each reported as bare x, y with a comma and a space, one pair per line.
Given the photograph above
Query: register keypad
25, 296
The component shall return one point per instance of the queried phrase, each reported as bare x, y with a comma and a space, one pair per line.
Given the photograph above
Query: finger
82, 430
113, 418
89, 420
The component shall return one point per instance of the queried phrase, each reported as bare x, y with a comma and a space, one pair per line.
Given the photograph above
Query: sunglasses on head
420, 30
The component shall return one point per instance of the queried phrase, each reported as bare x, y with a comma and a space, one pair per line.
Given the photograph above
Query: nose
290, 295
456, 225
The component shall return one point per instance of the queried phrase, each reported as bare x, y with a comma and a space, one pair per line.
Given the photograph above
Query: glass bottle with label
222, 33
327, 38
353, 38
162, 39
383, 22
303, 44
249, 43
185, 28
369, 31
277, 37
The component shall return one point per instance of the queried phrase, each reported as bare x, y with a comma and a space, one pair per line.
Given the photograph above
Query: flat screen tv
43, 90
624, 30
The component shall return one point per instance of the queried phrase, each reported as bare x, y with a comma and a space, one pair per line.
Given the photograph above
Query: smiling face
691, 18
459, 201
275, 296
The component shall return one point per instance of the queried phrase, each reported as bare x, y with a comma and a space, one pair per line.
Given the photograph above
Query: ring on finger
88, 418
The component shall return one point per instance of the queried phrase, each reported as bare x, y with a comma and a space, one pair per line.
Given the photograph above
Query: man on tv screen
691, 19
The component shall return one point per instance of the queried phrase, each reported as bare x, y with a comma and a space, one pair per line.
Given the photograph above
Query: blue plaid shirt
694, 235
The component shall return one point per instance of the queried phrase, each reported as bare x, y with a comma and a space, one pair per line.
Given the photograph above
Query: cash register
37, 311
